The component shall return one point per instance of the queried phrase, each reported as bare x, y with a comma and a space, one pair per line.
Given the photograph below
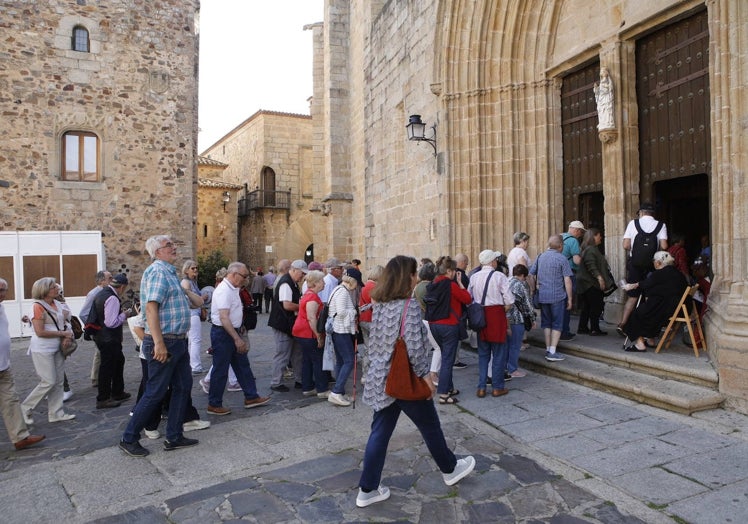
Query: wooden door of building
672, 85
582, 149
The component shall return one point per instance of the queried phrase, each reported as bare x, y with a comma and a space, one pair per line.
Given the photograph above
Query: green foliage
209, 265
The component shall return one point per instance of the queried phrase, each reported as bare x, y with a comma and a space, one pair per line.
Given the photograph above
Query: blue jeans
175, 372
496, 352
448, 337
225, 354
515, 344
424, 416
565, 328
344, 356
312, 375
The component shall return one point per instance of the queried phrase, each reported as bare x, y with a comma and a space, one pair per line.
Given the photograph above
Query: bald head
556, 242
283, 266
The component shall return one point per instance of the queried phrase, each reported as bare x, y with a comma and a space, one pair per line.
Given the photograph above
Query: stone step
625, 381
683, 368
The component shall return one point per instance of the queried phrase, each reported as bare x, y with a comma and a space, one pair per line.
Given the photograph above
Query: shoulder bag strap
485, 289
50, 314
402, 317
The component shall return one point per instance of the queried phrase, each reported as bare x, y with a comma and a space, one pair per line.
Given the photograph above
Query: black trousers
268, 299
592, 304
111, 369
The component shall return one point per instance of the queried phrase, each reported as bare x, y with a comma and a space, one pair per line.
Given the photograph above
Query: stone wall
488, 74
136, 90
282, 142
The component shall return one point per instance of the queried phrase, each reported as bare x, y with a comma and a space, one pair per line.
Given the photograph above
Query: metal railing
261, 199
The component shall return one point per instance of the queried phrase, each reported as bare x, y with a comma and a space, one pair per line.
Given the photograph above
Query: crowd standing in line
426, 306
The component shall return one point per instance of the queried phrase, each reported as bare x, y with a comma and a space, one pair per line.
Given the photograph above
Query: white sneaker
196, 424
462, 469
205, 385
67, 395
324, 394
62, 418
153, 435
309, 393
367, 499
337, 399
234, 387
27, 418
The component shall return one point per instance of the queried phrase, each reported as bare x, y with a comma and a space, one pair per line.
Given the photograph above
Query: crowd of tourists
326, 319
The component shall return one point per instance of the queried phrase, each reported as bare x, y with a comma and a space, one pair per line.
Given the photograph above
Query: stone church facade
99, 123
508, 89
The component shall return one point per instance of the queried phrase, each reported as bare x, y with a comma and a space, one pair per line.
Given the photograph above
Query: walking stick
355, 365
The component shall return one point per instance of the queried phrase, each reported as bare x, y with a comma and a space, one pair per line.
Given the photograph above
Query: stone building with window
99, 129
506, 89
271, 156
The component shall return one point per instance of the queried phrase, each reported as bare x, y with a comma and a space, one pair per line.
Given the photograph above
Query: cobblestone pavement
550, 451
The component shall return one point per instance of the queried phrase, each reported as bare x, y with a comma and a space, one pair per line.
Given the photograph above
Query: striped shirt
160, 284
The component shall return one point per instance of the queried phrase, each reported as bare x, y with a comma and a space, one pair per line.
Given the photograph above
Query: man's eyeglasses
242, 275
194, 267
168, 244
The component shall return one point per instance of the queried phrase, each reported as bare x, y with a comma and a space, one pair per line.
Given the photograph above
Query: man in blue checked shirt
553, 277
167, 318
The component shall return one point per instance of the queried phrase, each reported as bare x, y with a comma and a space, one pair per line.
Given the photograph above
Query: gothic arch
499, 107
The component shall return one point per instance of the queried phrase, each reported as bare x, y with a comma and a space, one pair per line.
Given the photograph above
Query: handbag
475, 313
324, 314
402, 383
67, 345
75, 325
528, 322
612, 288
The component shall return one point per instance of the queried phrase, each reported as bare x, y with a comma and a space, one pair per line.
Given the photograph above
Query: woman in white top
343, 312
518, 254
49, 333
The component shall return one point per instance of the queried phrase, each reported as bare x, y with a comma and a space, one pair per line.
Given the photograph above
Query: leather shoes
122, 396
28, 441
108, 403
499, 392
480, 393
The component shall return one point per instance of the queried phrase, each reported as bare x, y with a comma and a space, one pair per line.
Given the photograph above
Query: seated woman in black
662, 290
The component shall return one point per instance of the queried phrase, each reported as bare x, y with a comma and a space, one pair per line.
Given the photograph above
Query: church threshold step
665, 393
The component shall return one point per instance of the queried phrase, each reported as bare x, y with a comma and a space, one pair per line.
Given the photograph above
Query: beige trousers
51, 370
10, 408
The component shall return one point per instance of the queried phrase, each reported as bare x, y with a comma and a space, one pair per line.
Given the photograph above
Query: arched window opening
80, 40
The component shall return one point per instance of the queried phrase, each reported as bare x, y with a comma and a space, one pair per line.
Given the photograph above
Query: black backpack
645, 245
437, 300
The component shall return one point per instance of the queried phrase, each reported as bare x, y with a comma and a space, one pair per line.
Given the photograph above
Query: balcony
260, 199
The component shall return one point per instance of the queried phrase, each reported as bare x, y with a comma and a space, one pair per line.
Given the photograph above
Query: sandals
453, 392
633, 349
447, 400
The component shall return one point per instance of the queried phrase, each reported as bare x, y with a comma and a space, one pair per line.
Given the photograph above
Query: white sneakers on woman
338, 399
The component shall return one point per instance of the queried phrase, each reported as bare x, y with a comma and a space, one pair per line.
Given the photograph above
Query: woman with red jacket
445, 297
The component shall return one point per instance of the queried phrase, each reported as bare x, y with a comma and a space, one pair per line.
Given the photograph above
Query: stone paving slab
550, 451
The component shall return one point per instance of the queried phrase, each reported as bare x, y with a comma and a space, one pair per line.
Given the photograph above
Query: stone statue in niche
604, 98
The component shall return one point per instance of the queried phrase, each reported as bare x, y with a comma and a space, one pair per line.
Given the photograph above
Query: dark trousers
424, 416
175, 372
225, 355
268, 299
591, 308
111, 369
312, 375
155, 418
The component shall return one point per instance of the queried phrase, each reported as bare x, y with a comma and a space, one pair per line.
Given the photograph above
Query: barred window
80, 41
